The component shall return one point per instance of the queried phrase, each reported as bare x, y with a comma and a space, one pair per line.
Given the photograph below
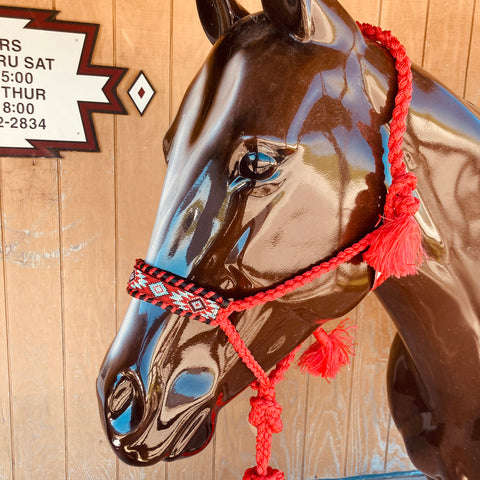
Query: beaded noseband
394, 248
173, 293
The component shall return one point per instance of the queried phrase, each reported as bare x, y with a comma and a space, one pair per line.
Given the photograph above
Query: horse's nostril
191, 385
121, 397
125, 405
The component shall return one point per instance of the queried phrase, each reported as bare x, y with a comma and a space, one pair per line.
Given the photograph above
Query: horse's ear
217, 16
307, 19
293, 15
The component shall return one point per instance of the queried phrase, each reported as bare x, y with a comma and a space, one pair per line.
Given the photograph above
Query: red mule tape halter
394, 248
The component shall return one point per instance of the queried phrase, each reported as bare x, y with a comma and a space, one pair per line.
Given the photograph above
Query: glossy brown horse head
275, 162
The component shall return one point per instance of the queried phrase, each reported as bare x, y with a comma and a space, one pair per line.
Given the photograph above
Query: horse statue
276, 162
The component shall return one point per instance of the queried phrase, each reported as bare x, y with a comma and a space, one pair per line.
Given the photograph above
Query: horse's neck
442, 147
439, 307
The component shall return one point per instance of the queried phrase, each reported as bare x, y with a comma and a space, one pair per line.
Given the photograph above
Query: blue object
386, 476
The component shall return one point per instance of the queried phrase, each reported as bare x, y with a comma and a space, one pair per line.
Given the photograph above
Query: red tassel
396, 249
329, 353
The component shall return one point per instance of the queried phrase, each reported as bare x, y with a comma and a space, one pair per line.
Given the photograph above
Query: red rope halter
394, 248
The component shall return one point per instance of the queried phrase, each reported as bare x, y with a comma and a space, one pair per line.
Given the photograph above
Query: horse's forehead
272, 66
262, 86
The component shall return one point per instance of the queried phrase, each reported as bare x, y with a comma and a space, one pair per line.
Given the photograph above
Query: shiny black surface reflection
276, 161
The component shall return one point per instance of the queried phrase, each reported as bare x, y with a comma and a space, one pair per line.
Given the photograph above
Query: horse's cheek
296, 232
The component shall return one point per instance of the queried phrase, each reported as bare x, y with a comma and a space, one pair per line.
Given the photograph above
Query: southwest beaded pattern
174, 293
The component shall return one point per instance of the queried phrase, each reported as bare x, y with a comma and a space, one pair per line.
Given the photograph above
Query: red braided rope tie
396, 247
298, 281
265, 417
185, 299
403, 183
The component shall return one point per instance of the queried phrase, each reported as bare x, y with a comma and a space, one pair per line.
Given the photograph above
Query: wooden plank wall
70, 229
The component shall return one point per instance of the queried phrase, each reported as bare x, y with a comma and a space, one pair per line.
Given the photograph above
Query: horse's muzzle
154, 408
146, 427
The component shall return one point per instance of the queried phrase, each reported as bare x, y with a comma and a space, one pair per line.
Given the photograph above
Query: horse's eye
257, 166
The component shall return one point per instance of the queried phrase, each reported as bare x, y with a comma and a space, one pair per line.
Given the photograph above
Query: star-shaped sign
48, 87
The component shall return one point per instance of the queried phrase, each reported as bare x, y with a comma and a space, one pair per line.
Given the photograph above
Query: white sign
48, 88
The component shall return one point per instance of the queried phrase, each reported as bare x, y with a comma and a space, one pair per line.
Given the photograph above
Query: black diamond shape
197, 305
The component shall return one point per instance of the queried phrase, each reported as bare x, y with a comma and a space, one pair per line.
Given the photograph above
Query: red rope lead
265, 417
265, 412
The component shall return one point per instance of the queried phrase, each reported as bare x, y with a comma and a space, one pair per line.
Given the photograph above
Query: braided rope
298, 281
399, 200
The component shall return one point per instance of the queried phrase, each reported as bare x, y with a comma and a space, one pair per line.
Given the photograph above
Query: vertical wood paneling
327, 415
288, 447
142, 44
446, 56
399, 18
88, 268
5, 404
369, 414
33, 294
362, 11
199, 466
472, 85
31, 251
190, 47
72, 228
252, 6
142, 40
396, 458
234, 439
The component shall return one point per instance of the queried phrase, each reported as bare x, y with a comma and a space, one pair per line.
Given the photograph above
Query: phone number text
23, 123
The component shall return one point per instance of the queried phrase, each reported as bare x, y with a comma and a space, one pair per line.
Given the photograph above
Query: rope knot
407, 182
406, 206
266, 412
272, 474
400, 200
